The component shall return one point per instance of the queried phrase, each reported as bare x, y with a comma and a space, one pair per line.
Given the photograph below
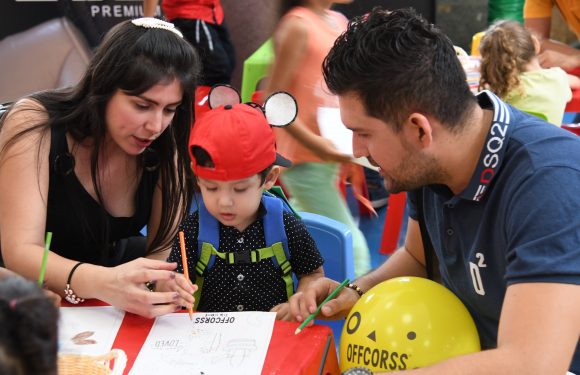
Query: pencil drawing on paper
218, 343
237, 350
82, 338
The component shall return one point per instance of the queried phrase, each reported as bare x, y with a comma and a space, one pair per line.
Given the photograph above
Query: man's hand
304, 303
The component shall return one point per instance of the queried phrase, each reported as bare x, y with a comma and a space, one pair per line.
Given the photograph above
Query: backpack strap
275, 237
207, 241
276, 191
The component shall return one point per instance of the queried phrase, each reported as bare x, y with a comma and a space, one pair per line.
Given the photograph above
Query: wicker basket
75, 364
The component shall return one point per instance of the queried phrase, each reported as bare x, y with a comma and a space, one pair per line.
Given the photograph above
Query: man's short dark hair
397, 63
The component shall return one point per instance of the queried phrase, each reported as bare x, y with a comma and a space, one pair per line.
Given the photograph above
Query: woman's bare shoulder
23, 114
19, 123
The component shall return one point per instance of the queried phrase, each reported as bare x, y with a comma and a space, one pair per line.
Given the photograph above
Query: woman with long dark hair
96, 162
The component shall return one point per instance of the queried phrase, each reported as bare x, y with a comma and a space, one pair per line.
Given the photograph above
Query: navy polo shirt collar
493, 152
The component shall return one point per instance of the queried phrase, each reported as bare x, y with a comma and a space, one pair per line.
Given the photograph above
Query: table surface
300, 354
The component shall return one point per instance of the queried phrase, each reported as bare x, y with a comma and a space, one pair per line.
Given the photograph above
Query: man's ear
271, 178
417, 130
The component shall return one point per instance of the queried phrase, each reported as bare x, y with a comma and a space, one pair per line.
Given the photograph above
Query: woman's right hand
304, 303
124, 287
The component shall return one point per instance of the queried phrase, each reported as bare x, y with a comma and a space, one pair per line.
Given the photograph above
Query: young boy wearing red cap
242, 244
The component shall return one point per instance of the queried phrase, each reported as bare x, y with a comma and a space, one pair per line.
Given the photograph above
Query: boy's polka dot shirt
251, 286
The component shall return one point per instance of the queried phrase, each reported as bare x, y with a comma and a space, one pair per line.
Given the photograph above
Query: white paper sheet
211, 344
88, 330
332, 128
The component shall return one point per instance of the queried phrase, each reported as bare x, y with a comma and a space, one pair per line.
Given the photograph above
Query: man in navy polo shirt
500, 195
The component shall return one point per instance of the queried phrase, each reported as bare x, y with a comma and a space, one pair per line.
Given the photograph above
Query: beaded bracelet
69, 294
356, 288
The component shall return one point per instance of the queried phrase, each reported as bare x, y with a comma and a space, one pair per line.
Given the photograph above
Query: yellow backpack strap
285, 267
254, 256
206, 253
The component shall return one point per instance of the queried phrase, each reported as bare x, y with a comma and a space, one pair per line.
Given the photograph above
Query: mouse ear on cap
280, 109
222, 95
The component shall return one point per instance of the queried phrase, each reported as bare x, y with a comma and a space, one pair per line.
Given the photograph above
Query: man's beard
414, 171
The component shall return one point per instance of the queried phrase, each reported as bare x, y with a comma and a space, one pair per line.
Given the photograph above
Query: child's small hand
283, 312
184, 287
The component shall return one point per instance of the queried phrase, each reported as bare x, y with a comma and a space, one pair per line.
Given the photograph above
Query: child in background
28, 338
234, 159
302, 39
511, 69
202, 25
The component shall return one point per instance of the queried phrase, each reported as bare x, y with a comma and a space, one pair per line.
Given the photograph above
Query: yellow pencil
184, 263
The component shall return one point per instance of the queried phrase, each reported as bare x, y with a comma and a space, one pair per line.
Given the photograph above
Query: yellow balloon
406, 323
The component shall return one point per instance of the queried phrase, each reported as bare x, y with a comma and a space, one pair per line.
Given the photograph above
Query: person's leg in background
214, 46
313, 188
370, 225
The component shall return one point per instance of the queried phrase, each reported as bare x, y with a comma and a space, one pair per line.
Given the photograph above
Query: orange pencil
184, 263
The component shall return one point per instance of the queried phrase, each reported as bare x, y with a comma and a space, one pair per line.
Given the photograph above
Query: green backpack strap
206, 252
285, 267
275, 236
253, 256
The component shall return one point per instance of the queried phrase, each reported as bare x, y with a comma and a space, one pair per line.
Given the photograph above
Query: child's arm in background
283, 310
574, 81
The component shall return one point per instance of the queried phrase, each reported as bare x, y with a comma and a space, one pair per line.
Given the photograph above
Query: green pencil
313, 315
44, 258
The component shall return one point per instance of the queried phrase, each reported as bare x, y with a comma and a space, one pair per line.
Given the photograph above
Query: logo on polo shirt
474, 270
494, 145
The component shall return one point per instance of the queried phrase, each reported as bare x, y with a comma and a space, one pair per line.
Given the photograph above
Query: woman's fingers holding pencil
126, 287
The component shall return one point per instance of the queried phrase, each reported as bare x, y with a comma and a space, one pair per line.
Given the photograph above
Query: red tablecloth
574, 104
287, 354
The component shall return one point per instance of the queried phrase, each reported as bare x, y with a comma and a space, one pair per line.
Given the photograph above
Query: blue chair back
334, 241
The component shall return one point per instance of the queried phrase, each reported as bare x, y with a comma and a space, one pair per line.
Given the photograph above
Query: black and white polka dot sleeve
190, 228
304, 255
